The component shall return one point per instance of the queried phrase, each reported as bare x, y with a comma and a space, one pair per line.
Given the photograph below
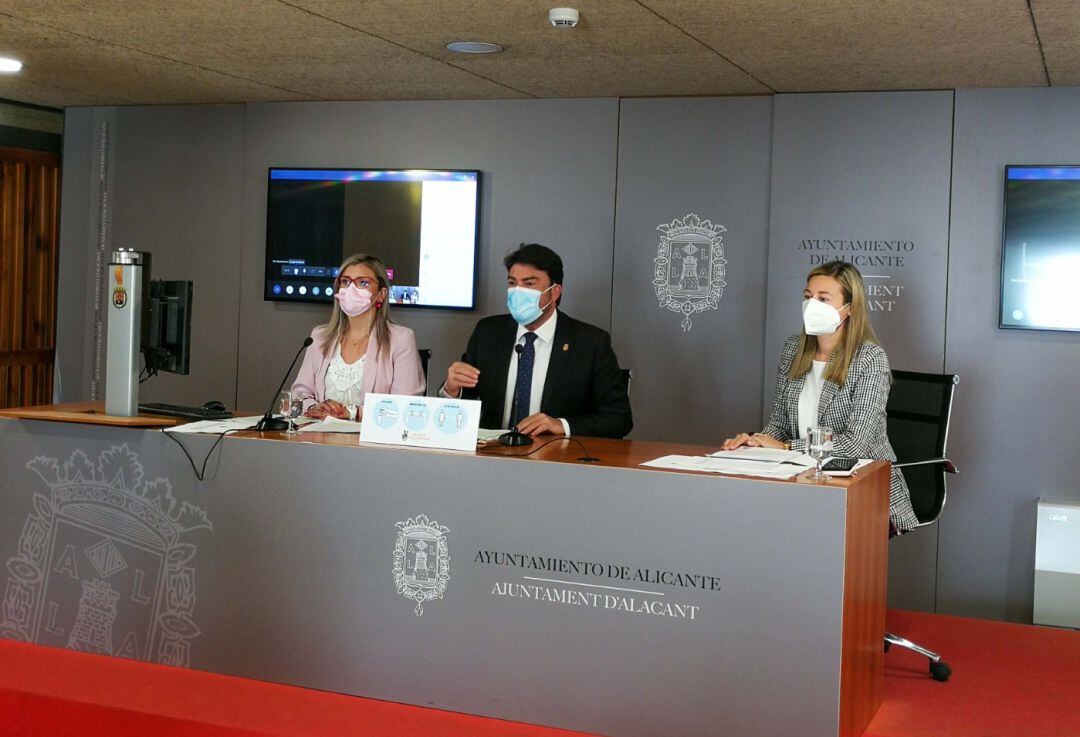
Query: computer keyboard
178, 410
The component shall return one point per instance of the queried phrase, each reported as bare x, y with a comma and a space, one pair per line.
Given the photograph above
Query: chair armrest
950, 467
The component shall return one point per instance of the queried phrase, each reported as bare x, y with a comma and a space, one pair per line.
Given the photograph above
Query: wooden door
29, 221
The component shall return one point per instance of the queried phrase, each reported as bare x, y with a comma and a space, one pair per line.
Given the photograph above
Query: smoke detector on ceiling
564, 17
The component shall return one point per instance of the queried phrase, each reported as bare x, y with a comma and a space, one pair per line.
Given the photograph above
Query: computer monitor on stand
166, 327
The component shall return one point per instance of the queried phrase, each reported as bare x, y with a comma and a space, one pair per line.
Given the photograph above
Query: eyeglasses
362, 282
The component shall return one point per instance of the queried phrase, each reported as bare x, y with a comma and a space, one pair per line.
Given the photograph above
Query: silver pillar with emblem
126, 273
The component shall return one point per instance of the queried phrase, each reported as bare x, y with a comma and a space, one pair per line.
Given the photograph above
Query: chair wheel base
940, 671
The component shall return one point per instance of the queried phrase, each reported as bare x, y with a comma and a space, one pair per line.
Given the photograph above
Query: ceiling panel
1058, 22
106, 74
264, 42
80, 52
477, 18
620, 48
797, 46
647, 75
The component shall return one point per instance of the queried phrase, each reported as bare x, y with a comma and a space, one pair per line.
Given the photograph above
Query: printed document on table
332, 424
216, 427
734, 467
770, 455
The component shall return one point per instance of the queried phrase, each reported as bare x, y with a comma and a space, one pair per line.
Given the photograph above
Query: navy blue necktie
523, 387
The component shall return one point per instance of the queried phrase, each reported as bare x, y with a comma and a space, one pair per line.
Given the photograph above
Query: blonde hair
331, 332
856, 328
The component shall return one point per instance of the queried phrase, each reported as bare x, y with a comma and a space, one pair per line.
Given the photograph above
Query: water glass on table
819, 447
290, 407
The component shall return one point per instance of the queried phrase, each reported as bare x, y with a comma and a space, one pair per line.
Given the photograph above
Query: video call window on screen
1040, 261
422, 223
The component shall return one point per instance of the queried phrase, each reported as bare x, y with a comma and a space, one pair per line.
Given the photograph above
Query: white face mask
820, 318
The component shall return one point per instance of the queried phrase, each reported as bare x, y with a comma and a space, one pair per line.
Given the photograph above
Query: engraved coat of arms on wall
103, 564
421, 560
690, 266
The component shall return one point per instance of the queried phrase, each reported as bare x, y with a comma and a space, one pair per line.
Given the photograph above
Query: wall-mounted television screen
1040, 259
422, 223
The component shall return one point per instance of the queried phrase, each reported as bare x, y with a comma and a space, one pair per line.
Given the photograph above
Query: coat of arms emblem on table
421, 561
690, 266
104, 563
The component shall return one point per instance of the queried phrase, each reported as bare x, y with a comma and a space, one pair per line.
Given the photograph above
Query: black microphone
268, 421
514, 437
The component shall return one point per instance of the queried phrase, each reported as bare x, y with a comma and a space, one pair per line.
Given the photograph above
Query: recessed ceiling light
474, 47
9, 65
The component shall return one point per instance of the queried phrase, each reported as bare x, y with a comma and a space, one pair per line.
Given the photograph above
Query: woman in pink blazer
359, 350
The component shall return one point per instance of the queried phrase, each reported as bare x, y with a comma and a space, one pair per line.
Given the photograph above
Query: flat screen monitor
166, 329
422, 223
1040, 255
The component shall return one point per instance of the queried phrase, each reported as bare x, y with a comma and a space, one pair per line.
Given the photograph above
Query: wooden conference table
603, 597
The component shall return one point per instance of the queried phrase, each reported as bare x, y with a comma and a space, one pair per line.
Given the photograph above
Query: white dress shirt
545, 337
810, 396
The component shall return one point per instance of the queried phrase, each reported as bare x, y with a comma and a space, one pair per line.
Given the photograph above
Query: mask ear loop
545, 292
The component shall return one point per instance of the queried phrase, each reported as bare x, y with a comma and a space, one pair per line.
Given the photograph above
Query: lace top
345, 381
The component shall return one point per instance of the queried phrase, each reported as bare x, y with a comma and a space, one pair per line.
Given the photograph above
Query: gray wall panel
1015, 421
867, 167
177, 195
80, 207
709, 157
549, 177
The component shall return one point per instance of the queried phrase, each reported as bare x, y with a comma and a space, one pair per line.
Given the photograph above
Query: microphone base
272, 424
515, 438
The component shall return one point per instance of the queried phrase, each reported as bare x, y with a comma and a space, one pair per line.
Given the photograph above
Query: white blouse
810, 395
345, 381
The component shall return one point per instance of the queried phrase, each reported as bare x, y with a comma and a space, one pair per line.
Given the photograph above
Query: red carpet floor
48, 692
1008, 681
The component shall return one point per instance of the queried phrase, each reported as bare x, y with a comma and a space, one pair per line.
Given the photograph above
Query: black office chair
919, 409
425, 358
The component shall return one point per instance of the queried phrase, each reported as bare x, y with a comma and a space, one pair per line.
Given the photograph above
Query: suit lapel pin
565, 347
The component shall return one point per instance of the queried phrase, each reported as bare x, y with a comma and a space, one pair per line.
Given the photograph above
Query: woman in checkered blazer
834, 374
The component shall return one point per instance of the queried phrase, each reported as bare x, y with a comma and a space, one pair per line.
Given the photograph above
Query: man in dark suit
558, 374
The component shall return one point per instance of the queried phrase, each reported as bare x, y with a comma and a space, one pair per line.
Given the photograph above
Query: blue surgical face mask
524, 304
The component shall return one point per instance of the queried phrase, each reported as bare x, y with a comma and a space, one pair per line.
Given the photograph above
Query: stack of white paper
331, 424
732, 466
215, 427
771, 455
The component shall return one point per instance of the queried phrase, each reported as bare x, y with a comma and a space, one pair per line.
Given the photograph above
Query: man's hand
540, 424
460, 376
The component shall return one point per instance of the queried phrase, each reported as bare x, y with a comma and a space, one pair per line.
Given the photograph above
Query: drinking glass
289, 408
819, 447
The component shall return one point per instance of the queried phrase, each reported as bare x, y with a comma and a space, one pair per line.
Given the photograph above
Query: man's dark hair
538, 257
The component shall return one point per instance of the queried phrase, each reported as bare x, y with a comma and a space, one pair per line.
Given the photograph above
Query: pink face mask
354, 300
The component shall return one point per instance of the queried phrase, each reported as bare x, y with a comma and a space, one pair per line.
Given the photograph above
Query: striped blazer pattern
855, 412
